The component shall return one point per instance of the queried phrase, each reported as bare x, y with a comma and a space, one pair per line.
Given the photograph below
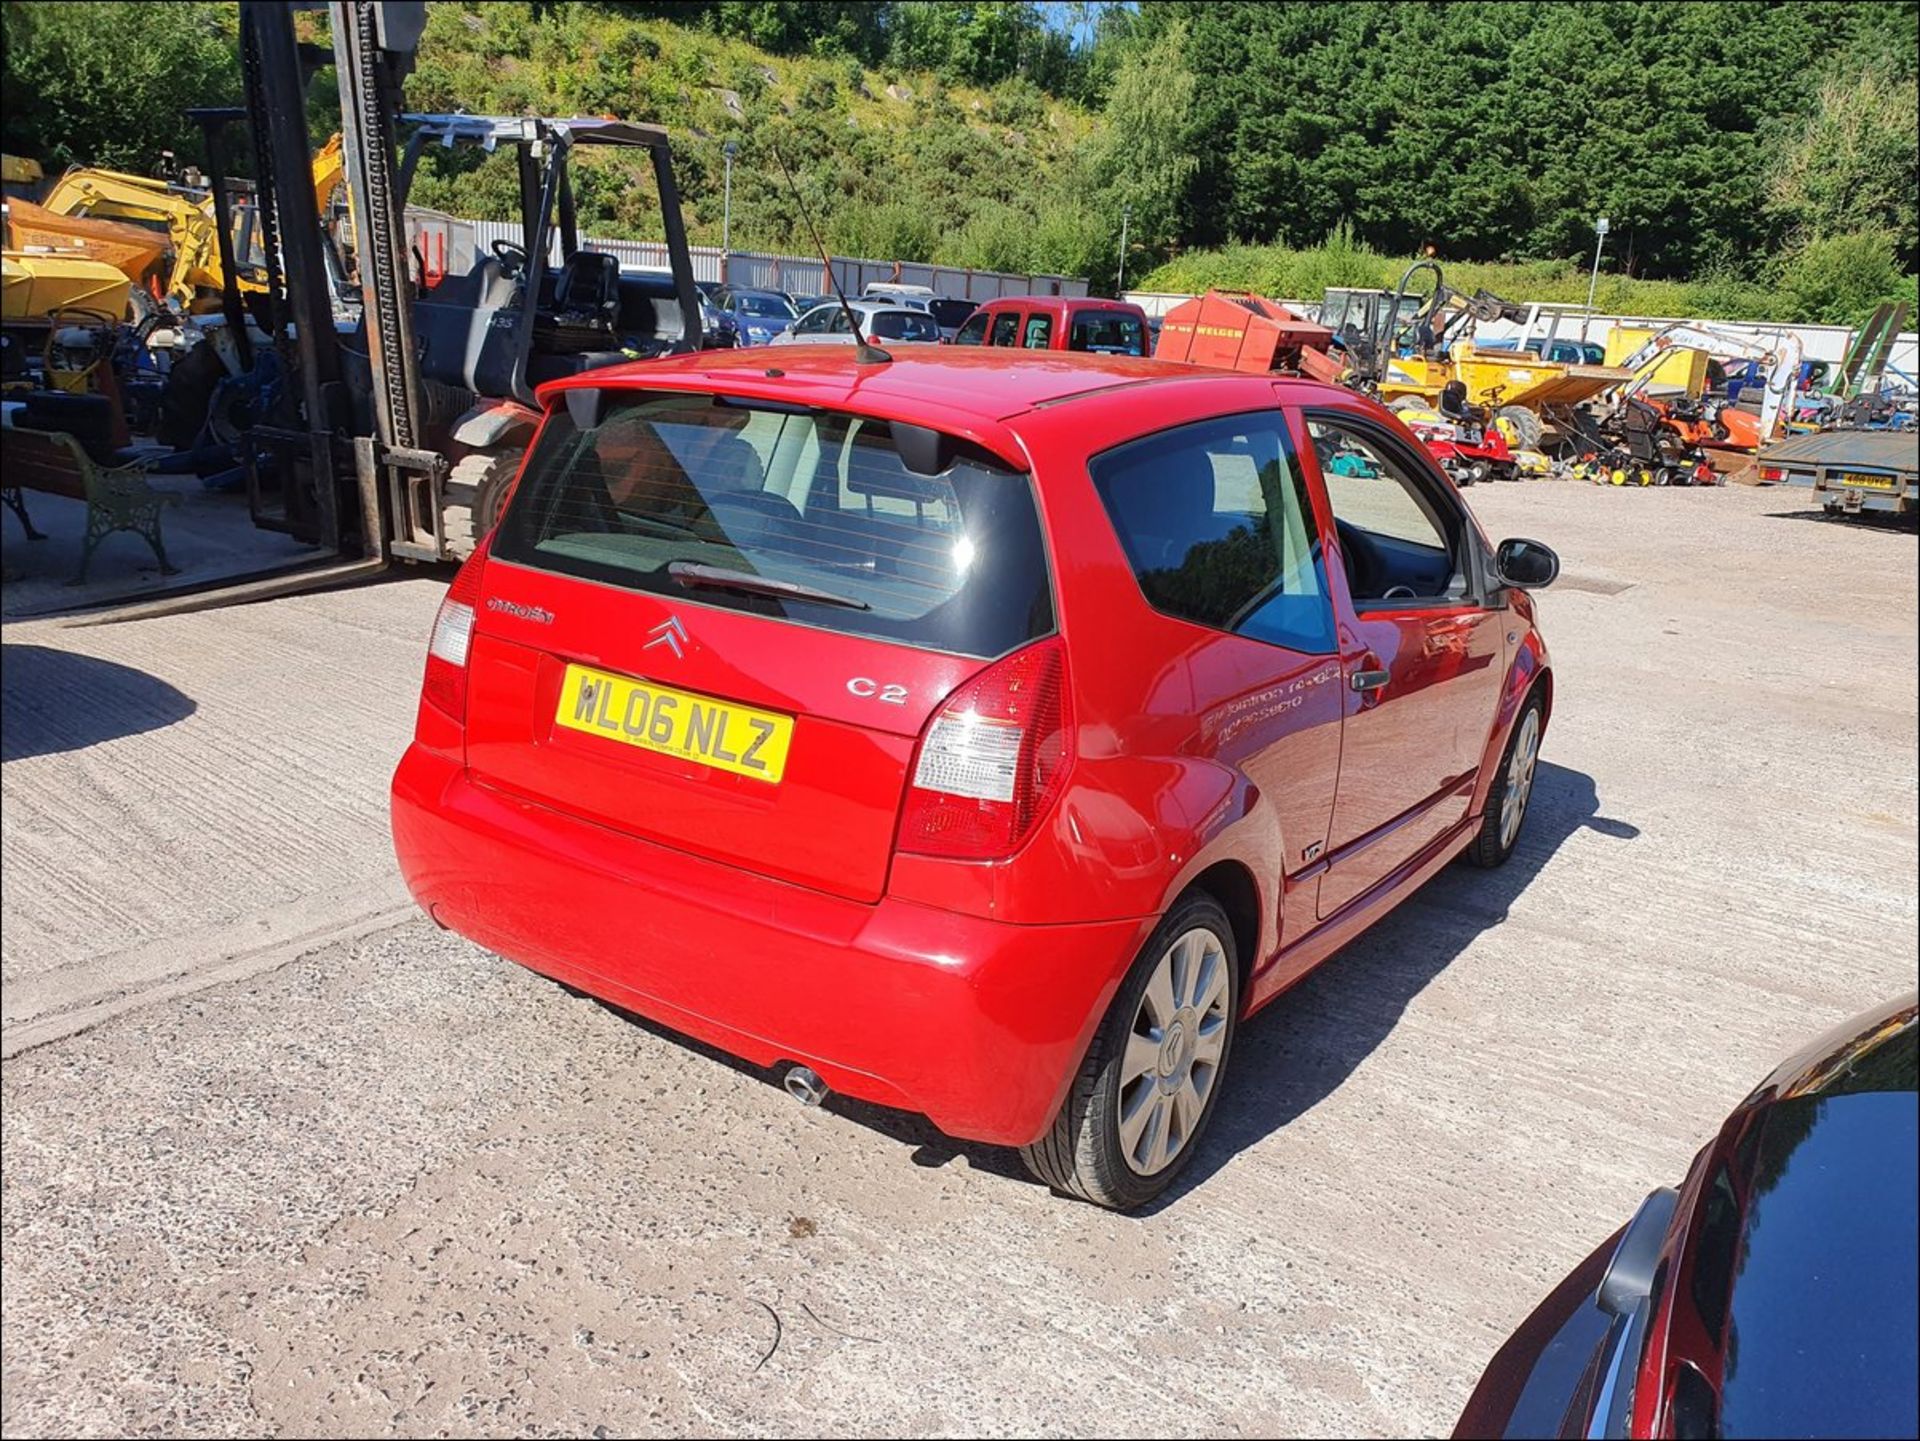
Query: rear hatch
721, 625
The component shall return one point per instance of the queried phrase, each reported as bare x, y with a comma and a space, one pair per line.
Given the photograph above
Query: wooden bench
117, 496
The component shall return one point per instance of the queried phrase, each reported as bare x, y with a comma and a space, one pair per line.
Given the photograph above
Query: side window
1215, 520
1006, 325
837, 321
1038, 333
1401, 536
814, 322
974, 332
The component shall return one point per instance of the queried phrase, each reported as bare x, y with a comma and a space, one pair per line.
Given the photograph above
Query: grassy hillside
891, 162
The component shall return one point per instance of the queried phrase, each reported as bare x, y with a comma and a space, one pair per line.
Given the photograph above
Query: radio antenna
864, 353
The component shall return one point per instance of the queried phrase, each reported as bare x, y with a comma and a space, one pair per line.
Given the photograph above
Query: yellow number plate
729, 737
1856, 481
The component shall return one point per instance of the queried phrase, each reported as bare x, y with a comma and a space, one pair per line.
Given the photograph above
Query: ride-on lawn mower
1463, 438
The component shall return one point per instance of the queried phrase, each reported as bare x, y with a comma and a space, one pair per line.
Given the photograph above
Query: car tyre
1173, 1018
1501, 824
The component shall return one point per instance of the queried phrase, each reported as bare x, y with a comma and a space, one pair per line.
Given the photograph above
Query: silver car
884, 320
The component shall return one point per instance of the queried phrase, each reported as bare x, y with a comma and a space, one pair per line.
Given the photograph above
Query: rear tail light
445, 685
992, 760
1772, 473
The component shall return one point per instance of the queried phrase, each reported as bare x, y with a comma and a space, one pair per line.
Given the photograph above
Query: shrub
1839, 279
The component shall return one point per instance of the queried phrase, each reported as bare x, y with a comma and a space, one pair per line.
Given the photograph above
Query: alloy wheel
1173, 1052
1520, 768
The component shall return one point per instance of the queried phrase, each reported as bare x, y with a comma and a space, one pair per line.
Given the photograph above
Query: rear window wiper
692, 574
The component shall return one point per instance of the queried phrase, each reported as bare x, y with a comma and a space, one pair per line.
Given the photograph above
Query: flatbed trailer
1851, 471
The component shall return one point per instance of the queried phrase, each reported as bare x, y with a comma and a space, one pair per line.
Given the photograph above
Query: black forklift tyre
475, 490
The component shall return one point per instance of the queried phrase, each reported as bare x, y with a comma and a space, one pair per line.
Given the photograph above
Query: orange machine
1232, 330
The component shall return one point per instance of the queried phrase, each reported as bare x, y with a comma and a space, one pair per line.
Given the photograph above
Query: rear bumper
977, 1024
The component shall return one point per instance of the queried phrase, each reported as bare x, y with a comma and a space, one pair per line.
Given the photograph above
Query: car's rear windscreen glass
1108, 332
904, 325
807, 515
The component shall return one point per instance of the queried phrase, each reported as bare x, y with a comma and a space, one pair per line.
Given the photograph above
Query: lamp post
1599, 239
730, 149
1126, 214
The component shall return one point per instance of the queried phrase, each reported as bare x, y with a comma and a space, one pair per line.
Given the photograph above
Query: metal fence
799, 275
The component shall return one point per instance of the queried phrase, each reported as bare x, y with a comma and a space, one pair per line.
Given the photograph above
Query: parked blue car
758, 315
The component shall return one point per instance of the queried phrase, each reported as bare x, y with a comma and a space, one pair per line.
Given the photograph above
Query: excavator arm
1781, 359
329, 171
112, 195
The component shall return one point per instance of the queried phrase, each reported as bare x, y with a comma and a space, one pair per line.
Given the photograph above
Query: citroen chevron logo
669, 633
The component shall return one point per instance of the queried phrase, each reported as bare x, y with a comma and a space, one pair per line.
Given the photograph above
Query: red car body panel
784, 924
1060, 310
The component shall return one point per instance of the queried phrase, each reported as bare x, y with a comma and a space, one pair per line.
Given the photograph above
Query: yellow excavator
63, 222
42, 273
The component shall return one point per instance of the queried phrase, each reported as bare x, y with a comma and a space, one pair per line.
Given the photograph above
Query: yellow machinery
35, 285
1497, 378
185, 216
1523, 390
1436, 332
20, 176
1678, 369
186, 221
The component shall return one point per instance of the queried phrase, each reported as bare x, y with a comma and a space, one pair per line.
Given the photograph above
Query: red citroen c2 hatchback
981, 733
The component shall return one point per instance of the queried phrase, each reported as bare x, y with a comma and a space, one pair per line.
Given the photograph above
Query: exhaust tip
805, 1086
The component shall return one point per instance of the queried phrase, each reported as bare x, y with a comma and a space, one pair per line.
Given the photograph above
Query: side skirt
1294, 961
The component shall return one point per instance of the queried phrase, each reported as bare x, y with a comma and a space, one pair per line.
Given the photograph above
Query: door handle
1364, 680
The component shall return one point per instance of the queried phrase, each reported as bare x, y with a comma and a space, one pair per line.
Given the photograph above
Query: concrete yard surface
375, 1181
180, 793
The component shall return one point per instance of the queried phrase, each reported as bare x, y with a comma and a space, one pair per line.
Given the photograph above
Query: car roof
867, 306
965, 382
1059, 304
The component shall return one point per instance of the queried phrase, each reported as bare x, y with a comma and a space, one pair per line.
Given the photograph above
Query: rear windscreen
904, 325
1109, 332
806, 515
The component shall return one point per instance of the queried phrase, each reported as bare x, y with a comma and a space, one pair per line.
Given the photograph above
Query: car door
1006, 328
1421, 649
1215, 519
812, 325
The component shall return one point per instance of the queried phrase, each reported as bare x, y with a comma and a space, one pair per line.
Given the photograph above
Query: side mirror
1525, 564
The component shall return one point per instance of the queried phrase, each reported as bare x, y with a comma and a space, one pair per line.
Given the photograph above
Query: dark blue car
758, 315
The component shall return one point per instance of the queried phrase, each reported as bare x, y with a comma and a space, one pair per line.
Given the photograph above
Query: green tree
1853, 164
1141, 156
107, 84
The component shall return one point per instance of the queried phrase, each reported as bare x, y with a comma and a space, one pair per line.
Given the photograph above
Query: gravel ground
398, 1186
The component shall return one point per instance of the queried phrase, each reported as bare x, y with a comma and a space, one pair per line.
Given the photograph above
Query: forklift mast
373, 51
373, 47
